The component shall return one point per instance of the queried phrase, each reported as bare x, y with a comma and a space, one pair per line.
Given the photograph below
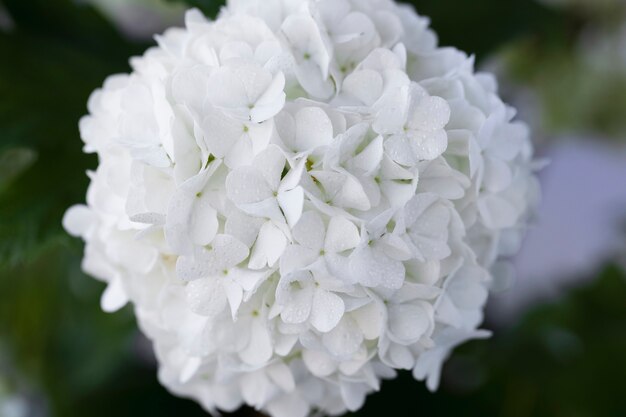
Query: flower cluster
301, 198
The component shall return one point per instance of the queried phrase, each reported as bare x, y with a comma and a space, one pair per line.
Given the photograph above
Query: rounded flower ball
300, 199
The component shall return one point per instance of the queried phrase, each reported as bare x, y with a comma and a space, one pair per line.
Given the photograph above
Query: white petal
78, 219
259, 135
392, 171
344, 340
298, 309
234, 294
339, 267
194, 17
269, 246
297, 257
353, 394
271, 163
448, 313
283, 344
392, 110
370, 320
234, 50
427, 146
412, 291
365, 85
225, 252
241, 153
352, 195
318, 362
206, 296
312, 79
228, 251
313, 128
291, 203
248, 280
235, 88
114, 296
401, 357
370, 158
255, 388
187, 153
267, 208
190, 217
497, 212
399, 149
221, 132
398, 192
185, 84
309, 231
327, 310
408, 322
247, 185
497, 176
259, 349
148, 218
341, 235
293, 177
281, 375
417, 206
289, 406
426, 273
189, 370
203, 222
372, 268
271, 102
429, 233
430, 115
467, 288
438, 178
243, 227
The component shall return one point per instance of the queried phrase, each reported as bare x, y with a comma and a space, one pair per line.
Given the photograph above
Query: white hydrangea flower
301, 198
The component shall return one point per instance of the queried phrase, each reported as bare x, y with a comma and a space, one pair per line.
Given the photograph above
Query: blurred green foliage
56, 54
579, 71
565, 359
208, 7
576, 95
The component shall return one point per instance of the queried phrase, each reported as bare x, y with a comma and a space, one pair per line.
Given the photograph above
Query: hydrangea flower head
301, 198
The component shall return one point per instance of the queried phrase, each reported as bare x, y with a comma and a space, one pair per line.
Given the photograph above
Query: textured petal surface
326, 311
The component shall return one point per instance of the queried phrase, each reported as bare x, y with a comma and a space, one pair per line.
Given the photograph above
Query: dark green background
69, 359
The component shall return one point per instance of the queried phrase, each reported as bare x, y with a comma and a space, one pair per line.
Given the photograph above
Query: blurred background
559, 347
